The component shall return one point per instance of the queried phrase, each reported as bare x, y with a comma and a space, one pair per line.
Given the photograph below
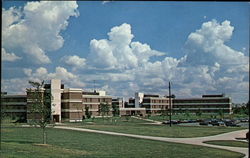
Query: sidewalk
193, 141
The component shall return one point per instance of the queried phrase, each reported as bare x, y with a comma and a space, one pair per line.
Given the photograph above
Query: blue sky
202, 47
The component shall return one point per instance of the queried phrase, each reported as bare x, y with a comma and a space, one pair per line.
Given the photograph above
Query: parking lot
211, 122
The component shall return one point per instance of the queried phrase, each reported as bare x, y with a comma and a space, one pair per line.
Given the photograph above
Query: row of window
201, 106
155, 101
13, 100
203, 101
97, 100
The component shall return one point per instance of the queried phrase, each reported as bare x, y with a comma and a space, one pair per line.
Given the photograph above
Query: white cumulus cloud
9, 56
35, 28
118, 51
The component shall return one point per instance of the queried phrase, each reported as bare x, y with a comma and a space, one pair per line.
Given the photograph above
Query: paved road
194, 141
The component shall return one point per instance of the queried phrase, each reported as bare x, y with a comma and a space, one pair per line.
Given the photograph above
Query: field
229, 143
194, 116
25, 143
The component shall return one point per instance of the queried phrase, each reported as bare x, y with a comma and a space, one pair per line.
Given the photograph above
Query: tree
221, 113
198, 113
40, 107
187, 113
87, 112
115, 110
104, 109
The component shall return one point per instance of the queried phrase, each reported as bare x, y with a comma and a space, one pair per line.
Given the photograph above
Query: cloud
118, 51
208, 44
60, 73
123, 66
209, 65
35, 29
75, 61
9, 56
105, 2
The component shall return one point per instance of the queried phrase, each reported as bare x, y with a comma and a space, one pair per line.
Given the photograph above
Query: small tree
187, 113
104, 109
87, 112
221, 113
40, 106
115, 110
198, 113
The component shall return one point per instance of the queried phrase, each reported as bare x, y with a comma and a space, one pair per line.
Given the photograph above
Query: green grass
135, 126
232, 143
194, 116
20, 142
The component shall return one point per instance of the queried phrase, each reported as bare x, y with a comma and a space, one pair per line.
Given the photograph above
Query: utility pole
170, 122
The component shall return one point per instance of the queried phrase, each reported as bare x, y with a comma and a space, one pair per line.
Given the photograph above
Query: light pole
170, 109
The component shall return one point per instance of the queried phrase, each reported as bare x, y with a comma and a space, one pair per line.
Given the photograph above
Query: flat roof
14, 96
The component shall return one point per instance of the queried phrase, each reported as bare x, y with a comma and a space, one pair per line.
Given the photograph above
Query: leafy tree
221, 113
115, 109
198, 113
40, 107
104, 109
87, 112
187, 114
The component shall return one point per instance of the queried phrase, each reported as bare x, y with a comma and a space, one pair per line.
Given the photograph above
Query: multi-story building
14, 106
151, 104
155, 104
118, 102
54, 90
69, 104
73, 104
93, 101
206, 104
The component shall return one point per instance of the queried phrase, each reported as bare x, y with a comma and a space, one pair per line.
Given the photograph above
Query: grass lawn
194, 117
233, 143
135, 126
24, 143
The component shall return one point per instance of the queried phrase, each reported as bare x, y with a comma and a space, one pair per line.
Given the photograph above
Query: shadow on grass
19, 141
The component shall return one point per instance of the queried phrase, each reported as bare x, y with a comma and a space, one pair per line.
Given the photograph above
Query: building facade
206, 104
74, 104
14, 106
69, 104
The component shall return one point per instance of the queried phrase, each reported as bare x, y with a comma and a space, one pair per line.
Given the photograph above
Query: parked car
191, 121
231, 124
172, 122
220, 123
244, 120
199, 120
204, 123
184, 121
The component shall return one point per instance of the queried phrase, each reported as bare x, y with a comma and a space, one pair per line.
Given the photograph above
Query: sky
127, 47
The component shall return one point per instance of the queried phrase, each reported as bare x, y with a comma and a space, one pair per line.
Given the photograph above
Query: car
231, 124
172, 122
191, 121
244, 120
220, 123
184, 121
204, 123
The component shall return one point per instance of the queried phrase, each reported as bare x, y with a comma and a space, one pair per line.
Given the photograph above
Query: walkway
193, 141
